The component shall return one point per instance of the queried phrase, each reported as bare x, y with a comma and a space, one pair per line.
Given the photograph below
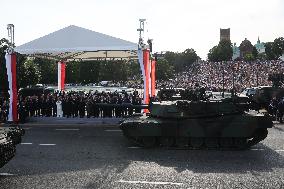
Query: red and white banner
61, 75
12, 79
153, 78
144, 61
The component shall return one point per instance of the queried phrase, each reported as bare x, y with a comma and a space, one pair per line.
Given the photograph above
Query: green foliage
254, 53
249, 57
48, 70
3, 72
181, 61
30, 73
261, 56
21, 75
73, 72
88, 71
94, 71
134, 69
222, 52
188, 57
278, 47
213, 54
164, 70
171, 57
275, 49
225, 50
270, 54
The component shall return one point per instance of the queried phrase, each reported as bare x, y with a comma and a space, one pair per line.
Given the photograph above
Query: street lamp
10, 28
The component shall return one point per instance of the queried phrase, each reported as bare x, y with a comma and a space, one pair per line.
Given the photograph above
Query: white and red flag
12, 79
61, 75
144, 61
153, 78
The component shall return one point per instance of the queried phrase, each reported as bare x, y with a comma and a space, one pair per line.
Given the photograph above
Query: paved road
83, 156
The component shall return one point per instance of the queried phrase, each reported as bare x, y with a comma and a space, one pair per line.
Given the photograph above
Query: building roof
260, 46
74, 40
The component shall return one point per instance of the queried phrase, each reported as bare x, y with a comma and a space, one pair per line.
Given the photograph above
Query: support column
153, 78
61, 75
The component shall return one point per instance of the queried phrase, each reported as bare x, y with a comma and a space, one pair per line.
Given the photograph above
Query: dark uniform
82, 105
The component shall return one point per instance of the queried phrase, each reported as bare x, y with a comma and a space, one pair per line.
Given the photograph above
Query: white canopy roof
74, 42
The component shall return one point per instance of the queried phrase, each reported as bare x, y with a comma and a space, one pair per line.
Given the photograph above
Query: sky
174, 25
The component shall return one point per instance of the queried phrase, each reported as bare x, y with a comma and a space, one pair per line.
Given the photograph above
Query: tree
164, 70
48, 69
254, 53
213, 54
249, 57
270, 55
72, 72
262, 56
4, 43
134, 69
171, 57
21, 75
181, 61
222, 52
225, 50
278, 47
189, 56
246, 49
31, 75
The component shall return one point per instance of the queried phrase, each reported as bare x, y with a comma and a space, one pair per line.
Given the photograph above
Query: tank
9, 138
200, 124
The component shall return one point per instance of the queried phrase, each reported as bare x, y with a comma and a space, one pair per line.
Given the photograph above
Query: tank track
9, 138
199, 143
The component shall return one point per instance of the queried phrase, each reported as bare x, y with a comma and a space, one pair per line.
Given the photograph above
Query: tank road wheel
182, 142
196, 142
149, 142
167, 141
226, 142
240, 143
211, 142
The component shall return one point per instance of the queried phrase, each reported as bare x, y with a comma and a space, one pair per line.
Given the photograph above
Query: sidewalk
71, 121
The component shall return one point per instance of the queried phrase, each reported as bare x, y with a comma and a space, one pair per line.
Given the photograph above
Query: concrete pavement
86, 156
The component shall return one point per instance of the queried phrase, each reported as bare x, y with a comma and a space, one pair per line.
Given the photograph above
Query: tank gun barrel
123, 105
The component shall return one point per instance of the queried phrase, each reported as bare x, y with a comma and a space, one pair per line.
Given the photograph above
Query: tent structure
76, 43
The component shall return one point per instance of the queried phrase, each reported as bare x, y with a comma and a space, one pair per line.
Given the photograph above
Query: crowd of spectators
3, 109
74, 104
212, 76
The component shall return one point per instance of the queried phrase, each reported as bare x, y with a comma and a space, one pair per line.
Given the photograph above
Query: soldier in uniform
22, 111
54, 106
82, 105
89, 105
96, 109
68, 106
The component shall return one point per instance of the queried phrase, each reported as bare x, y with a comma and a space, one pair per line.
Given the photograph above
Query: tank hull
225, 131
9, 138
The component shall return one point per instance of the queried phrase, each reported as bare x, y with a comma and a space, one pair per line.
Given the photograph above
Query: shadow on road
105, 152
